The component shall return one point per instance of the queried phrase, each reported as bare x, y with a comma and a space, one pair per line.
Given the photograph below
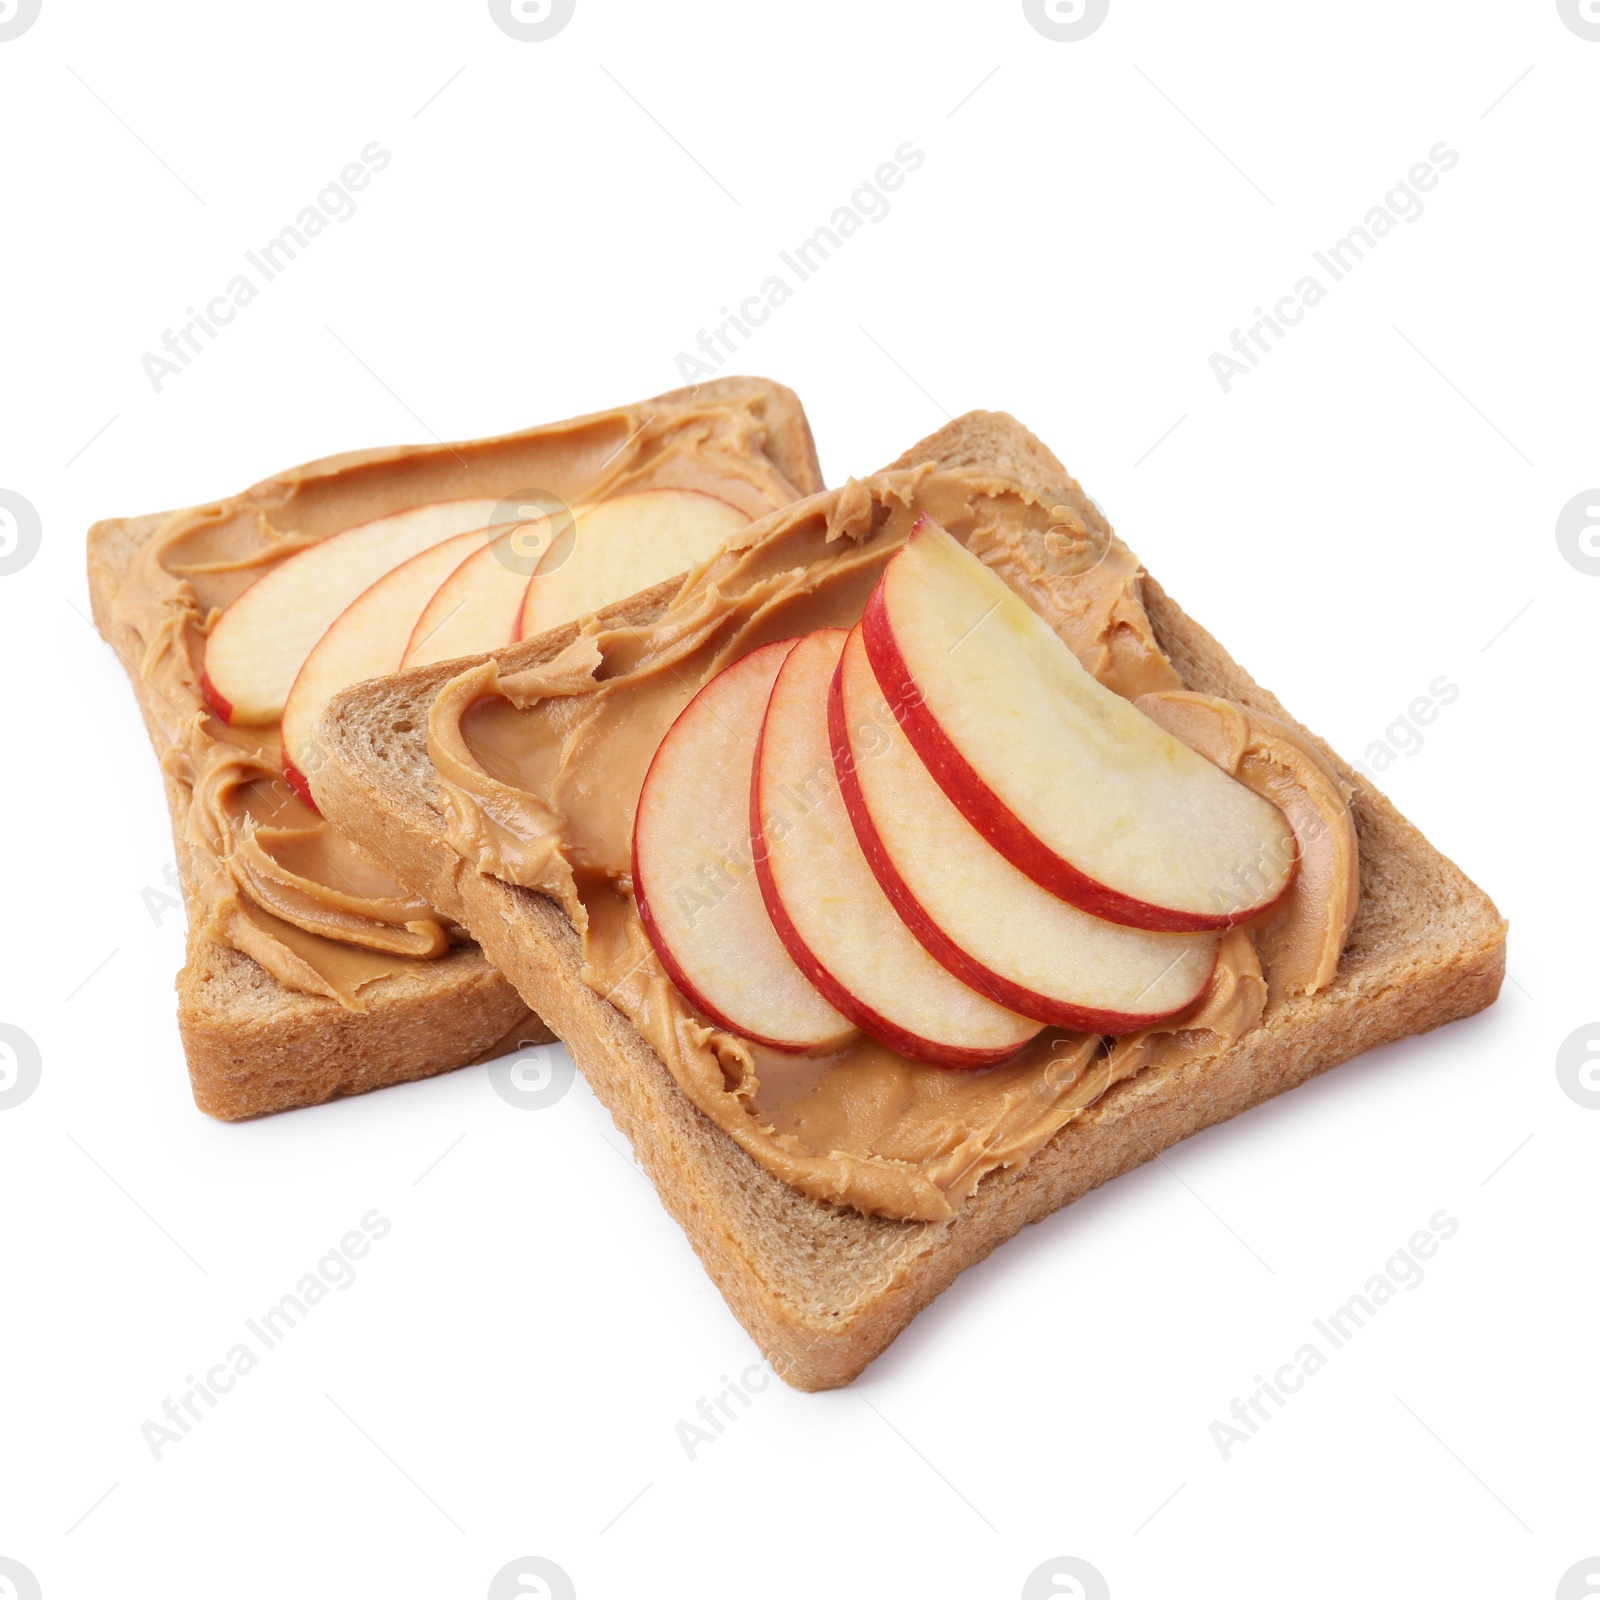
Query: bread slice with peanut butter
827, 1221
310, 972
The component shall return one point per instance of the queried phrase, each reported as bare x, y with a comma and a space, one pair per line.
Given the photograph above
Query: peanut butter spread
269, 876
1301, 943
540, 771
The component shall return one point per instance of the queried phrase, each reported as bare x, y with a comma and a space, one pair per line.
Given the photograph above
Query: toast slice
255, 1045
824, 1289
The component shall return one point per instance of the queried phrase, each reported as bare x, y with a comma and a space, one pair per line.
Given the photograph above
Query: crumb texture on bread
821, 1289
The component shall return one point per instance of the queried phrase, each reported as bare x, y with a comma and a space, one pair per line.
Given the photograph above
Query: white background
1368, 510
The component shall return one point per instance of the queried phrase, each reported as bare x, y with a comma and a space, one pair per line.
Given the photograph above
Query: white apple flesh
693, 876
477, 607
1071, 783
366, 640
261, 641
982, 918
826, 903
621, 546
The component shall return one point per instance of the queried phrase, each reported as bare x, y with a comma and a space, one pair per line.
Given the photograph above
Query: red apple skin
1081, 1019
220, 708
680, 980
658, 943
681, 983
910, 1045
298, 781
984, 809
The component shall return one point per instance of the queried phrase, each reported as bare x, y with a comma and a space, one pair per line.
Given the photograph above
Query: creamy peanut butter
1227, 1011
1302, 939
275, 880
540, 771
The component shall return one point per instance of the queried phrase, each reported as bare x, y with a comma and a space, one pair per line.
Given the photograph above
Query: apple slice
983, 919
621, 546
692, 870
366, 640
260, 642
1301, 943
476, 608
1071, 783
827, 905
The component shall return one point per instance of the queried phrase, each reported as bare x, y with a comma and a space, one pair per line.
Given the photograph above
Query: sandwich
910, 868
310, 971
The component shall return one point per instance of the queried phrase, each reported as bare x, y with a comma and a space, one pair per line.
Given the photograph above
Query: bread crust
822, 1289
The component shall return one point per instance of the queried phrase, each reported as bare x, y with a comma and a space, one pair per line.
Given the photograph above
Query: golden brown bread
255, 1046
823, 1289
